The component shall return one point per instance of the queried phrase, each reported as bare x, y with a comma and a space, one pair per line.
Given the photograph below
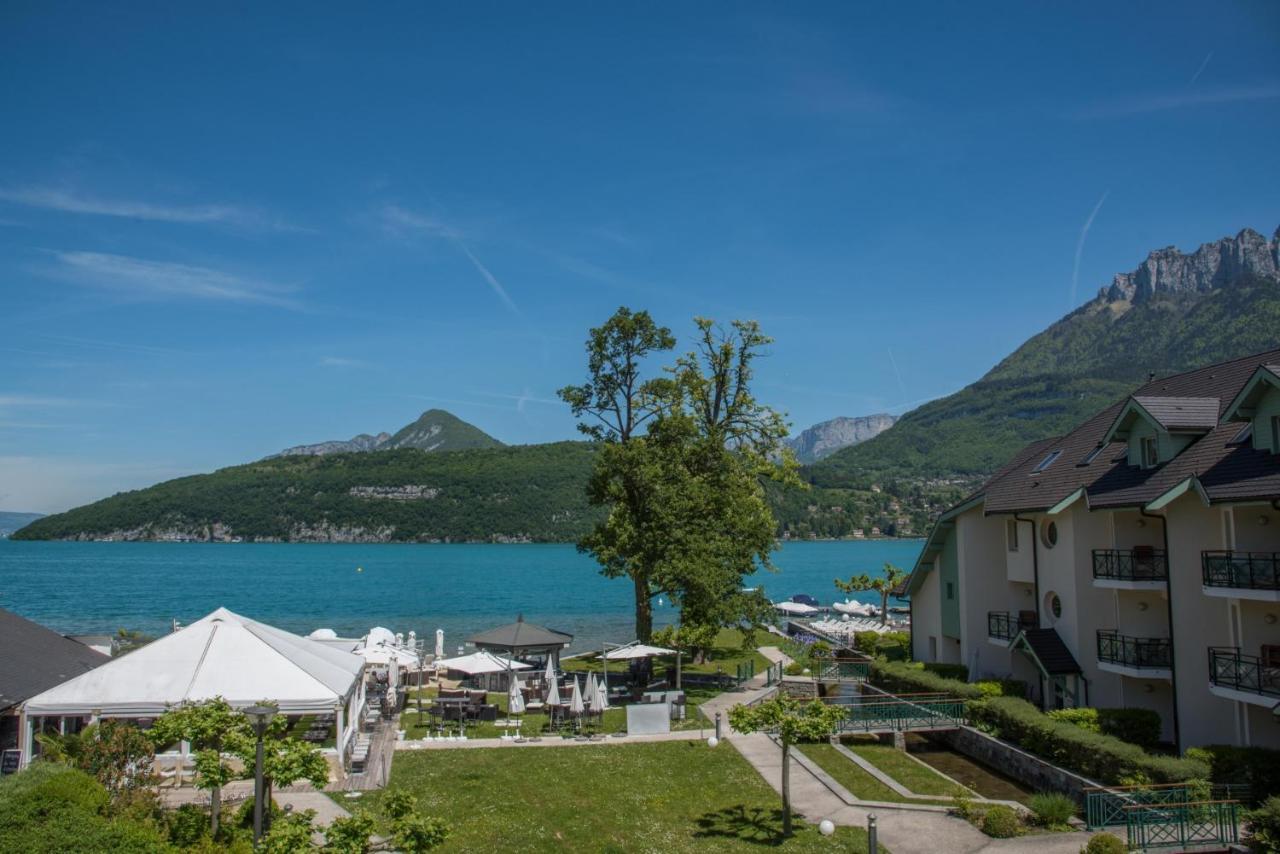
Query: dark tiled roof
521, 635
1174, 413
1052, 651
1227, 472
34, 659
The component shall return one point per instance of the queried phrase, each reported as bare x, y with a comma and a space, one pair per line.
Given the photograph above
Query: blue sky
225, 232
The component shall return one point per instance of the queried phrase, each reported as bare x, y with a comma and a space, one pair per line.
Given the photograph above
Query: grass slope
662, 797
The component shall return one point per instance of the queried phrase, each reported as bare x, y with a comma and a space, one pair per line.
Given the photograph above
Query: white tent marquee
222, 655
481, 662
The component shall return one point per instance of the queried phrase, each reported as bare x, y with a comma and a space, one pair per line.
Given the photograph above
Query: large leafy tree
884, 585
618, 399
792, 721
212, 729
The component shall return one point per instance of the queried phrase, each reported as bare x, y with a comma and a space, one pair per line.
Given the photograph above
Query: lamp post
260, 716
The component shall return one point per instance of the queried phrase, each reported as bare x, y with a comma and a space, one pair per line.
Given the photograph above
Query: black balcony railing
1001, 625
1229, 668
1115, 648
1241, 570
1140, 564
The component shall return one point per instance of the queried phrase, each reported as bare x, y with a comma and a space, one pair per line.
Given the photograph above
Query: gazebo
221, 655
523, 640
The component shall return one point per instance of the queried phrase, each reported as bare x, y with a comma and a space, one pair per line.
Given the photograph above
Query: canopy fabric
575, 698
602, 696
637, 650
795, 608
515, 699
590, 697
521, 636
378, 635
384, 654
323, 634
439, 643
481, 662
553, 687
221, 655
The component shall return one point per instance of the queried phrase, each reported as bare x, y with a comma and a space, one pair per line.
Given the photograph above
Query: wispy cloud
1161, 102
1194, 77
399, 220
70, 201
342, 362
167, 280
523, 400
1084, 235
121, 346
34, 400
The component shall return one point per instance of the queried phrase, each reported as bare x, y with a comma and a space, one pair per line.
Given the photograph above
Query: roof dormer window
1046, 462
1150, 448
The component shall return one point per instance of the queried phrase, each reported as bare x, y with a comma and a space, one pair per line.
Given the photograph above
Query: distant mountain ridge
1174, 312
827, 437
434, 430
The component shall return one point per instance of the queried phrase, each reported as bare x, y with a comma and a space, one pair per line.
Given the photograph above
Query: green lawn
725, 657
660, 797
615, 720
860, 784
904, 769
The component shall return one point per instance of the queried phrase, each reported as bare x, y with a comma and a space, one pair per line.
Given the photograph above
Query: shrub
1052, 809
906, 677
188, 824
1256, 767
865, 642
1263, 825
795, 668
1085, 718
948, 671
1136, 726
1001, 687
1001, 822
1105, 843
1102, 757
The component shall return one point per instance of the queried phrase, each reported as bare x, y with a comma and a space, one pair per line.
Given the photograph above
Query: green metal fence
1107, 807
1182, 825
746, 670
844, 670
902, 713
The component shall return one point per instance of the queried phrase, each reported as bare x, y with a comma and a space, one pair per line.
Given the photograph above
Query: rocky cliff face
1211, 266
363, 442
828, 437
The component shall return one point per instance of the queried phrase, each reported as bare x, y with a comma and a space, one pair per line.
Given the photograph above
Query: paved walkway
903, 830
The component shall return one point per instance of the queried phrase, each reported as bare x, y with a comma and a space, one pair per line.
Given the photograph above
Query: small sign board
10, 761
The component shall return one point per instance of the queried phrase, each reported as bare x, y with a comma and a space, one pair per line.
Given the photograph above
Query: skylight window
1046, 462
1092, 455
1243, 436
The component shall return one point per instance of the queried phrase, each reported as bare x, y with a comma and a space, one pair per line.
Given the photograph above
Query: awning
637, 650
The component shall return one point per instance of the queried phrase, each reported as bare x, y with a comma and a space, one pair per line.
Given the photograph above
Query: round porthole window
1049, 533
1055, 606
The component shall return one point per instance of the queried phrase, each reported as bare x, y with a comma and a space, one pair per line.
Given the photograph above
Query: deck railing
1130, 565
1241, 570
1182, 825
1230, 668
1126, 651
902, 712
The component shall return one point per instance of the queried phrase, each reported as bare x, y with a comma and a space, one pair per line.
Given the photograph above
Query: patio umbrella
602, 695
478, 663
515, 701
637, 650
439, 643
575, 698
553, 687
590, 697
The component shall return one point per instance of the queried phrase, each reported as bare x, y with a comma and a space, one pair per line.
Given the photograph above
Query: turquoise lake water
80, 588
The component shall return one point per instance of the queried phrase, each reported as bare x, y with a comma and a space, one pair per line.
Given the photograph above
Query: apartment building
1133, 562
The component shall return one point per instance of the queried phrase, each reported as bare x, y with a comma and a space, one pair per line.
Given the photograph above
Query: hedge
1136, 726
949, 671
1093, 754
904, 677
1257, 767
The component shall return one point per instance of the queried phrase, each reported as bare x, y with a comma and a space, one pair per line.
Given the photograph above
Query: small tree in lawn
212, 728
285, 761
793, 721
883, 585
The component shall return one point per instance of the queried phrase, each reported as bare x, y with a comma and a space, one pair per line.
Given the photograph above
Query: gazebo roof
521, 635
222, 655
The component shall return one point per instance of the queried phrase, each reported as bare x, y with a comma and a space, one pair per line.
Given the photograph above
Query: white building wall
984, 587
926, 617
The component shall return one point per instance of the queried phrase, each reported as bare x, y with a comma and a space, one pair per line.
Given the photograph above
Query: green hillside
437, 430
1079, 365
531, 492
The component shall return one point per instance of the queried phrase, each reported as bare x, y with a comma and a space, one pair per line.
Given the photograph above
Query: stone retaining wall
1032, 771
801, 687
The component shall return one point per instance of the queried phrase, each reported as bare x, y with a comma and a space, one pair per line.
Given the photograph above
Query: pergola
222, 655
523, 640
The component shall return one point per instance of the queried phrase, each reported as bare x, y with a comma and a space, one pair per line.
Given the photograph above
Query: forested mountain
434, 430
10, 521
522, 493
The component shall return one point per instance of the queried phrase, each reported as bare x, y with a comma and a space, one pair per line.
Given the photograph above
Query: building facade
1133, 562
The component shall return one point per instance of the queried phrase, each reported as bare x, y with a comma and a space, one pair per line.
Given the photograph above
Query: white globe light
844, 617
826, 827
713, 741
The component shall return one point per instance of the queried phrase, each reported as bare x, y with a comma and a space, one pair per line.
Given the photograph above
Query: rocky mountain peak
433, 430
1172, 271
826, 438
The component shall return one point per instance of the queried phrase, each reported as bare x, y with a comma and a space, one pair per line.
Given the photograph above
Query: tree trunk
884, 608
679, 655
215, 809
786, 789
644, 609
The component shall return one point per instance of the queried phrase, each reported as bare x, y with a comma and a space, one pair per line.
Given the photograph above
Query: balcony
1245, 678
1145, 658
1140, 568
1001, 626
1241, 575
